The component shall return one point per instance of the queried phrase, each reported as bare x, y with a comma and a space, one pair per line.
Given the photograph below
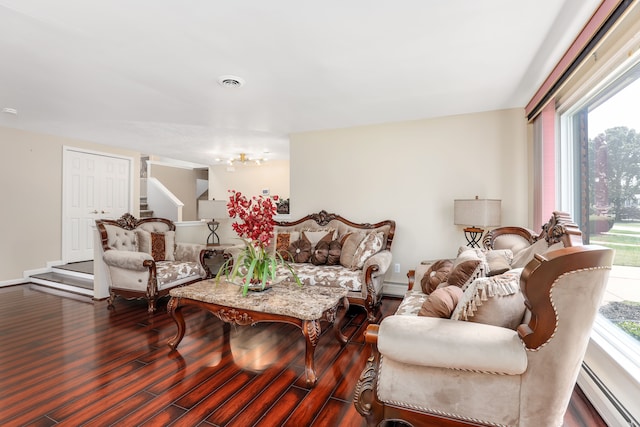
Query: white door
95, 186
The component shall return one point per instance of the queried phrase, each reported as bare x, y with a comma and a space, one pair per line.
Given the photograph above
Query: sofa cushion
498, 261
466, 253
320, 253
160, 246
315, 236
463, 273
441, 302
170, 272
300, 250
437, 273
350, 243
495, 300
523, 257
326, 275
283, 242
369, 246
335, 249
411, 303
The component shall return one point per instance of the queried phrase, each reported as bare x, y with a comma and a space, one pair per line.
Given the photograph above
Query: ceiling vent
230, 81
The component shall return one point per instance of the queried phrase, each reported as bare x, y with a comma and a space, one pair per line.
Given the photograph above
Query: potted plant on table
254, 268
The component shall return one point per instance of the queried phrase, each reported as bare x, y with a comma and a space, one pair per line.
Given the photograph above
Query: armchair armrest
128, 260
452, 344
381, 260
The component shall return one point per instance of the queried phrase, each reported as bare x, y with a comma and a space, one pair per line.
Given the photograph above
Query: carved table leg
337, 324
174, 310
311, 330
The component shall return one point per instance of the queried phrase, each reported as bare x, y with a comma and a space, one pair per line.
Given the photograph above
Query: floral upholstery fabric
188, 251
412, 302
169, 272
326, 275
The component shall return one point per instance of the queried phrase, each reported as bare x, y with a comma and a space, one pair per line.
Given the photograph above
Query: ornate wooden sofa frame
538, 363
134, 274
371, 277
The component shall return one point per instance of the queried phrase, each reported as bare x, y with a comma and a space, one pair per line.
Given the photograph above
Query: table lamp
475, 214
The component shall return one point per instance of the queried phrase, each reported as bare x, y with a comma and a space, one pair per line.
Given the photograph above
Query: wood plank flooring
68, 362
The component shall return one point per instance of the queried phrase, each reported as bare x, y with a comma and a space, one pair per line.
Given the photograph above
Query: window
600, 141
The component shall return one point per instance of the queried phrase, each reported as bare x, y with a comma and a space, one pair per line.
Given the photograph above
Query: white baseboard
394, 289
12, 282
47, 269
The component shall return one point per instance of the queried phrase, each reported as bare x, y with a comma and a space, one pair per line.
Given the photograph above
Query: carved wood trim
538, 279
127, 222
560, 227
323, 218
411, 276
491, 236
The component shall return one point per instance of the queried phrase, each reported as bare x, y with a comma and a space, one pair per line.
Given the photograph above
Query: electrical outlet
396, 268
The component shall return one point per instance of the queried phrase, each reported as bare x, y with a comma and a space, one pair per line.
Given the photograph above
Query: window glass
606, 131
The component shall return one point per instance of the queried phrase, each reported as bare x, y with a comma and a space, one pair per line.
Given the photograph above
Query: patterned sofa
143, 259
328, 250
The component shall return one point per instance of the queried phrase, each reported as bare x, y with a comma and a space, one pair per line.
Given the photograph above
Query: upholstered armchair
144, 261
431, 371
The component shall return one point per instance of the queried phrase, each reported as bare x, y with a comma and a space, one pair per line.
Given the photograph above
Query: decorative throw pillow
335, 249
160, 246
369, 246
315, 236
320, 253
350, 243
498, 261
300, 250
523, 257
283, 241
493, 300
441, 302
466, 253
437, 273
464, 273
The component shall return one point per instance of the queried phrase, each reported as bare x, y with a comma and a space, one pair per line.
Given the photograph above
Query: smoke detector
230, 81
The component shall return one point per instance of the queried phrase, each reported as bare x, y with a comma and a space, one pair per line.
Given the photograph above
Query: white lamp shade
477, 212
212, 209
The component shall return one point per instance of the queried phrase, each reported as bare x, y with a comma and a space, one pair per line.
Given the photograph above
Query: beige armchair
430, 371
144, 261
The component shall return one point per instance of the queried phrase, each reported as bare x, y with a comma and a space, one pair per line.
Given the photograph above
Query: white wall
31, 198
249, 180
181, 182
411, 172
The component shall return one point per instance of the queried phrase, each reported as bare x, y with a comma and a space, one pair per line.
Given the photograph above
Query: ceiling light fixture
230, 81
9, 110
244, 159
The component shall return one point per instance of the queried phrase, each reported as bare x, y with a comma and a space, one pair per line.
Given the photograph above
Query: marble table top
284, 298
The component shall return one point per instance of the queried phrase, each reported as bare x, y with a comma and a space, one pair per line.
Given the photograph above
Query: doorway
94, 186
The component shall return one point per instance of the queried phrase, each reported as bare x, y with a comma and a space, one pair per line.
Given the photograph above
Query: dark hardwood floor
69, 361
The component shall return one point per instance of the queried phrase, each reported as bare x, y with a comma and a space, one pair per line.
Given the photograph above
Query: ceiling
143, 74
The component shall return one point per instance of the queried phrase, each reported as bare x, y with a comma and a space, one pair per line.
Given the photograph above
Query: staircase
145, 212
75, 277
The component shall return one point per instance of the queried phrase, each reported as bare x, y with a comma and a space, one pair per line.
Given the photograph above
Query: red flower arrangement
256, 215
254, 266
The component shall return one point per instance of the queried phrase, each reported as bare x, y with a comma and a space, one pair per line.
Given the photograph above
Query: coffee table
286, 302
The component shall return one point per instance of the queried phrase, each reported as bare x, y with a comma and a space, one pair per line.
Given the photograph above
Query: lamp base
473, 236
213, 239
